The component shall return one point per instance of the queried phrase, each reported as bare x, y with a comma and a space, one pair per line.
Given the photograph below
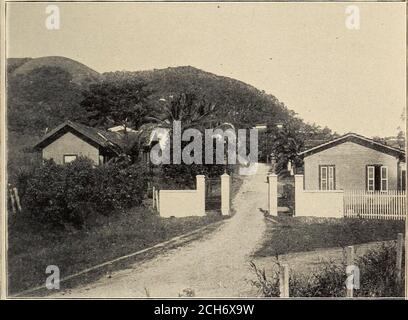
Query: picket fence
390, 205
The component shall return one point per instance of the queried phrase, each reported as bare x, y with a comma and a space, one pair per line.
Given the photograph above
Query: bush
181, 176
377, 278
68, 194
378, 273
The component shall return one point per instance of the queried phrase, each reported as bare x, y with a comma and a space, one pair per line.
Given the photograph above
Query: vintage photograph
204, 150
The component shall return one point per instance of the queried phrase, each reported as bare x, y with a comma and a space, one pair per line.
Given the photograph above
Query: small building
354, 162
71, 140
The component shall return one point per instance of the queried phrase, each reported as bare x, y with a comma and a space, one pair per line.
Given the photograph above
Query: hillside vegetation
43, 92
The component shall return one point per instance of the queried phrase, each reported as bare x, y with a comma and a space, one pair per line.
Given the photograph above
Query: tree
192, 112
290, 138
186, 108
119, 102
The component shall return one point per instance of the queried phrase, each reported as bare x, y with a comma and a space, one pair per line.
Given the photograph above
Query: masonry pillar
298, 193
200, 183
225, 194
273, 194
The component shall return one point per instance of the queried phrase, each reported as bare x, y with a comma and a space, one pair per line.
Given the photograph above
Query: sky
302, 53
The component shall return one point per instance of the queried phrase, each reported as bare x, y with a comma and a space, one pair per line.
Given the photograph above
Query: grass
306, 234
32, 247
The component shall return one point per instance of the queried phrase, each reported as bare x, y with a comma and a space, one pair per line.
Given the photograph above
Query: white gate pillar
225, 194
273, 194
200, 183
298, 193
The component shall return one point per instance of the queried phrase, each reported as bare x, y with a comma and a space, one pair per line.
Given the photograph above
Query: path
214, 266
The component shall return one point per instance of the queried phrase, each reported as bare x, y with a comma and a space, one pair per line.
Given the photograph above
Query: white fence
390, 205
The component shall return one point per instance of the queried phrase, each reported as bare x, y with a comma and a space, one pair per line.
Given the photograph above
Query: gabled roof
95, 136
358, 139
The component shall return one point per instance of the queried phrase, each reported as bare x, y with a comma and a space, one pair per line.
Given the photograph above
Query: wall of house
350, 160
70, 144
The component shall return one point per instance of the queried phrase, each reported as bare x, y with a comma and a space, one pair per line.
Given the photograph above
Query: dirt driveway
214, 266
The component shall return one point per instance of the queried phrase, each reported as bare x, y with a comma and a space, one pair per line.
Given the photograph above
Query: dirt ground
214, 266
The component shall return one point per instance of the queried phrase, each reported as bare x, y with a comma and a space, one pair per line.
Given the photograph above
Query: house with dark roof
70, 140
354, 162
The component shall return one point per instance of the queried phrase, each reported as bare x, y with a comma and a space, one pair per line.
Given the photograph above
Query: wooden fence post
157, 201
153, 197
350, 262
400, 248
17, 198
13, 203
284, 281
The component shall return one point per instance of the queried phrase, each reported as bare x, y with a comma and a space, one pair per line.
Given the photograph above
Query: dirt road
214, 266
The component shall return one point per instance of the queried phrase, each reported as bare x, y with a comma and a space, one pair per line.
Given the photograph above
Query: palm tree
186, 108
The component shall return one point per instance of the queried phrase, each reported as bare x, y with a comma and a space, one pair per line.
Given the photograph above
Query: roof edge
369, 143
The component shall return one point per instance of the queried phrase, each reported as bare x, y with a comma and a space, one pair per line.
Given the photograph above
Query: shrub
377, 278
378, 273
61, 194
181, 176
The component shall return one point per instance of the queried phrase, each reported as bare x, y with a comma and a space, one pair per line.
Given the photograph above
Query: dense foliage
113, 103
43, 92
42, 98
69, 194
377, 277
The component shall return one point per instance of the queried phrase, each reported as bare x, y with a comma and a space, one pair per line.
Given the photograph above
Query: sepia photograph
204, 150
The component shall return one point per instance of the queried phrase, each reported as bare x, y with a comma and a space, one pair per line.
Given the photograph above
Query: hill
236, 101
81, 74
43, 92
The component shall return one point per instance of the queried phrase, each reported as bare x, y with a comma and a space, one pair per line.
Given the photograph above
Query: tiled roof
359, 139
103, 138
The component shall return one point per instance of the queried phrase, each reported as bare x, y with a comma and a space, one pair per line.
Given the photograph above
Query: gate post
225, 194
273, 194
299, 202
200, 183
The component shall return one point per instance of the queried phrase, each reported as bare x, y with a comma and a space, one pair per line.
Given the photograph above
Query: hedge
70, 193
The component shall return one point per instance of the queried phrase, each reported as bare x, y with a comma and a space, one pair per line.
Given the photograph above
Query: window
327, 178
370, 178
69, 158
377, 178
384, 178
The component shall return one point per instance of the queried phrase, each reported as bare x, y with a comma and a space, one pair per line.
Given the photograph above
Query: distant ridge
80, 72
